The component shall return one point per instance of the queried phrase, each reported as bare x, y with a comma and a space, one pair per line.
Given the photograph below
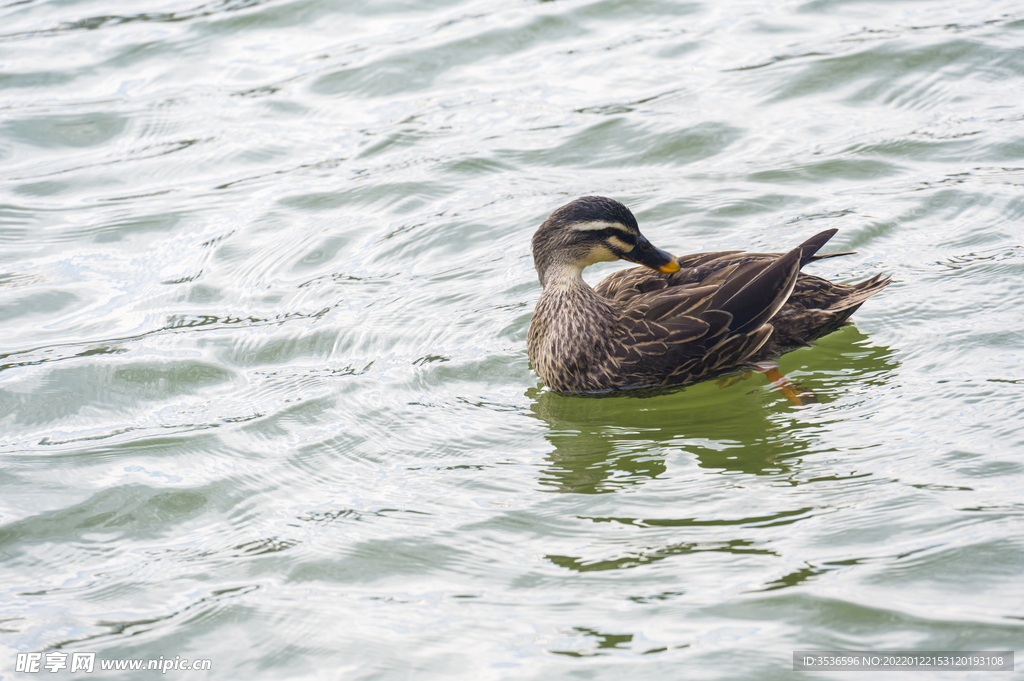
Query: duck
671, 320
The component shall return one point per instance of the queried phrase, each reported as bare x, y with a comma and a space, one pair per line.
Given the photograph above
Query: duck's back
699, 268
815, 308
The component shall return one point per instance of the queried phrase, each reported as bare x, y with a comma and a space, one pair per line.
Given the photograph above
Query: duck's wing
694, 330
696, 268
674, 336
659, 331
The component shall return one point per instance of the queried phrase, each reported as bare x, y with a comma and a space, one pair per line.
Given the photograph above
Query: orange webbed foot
795, 394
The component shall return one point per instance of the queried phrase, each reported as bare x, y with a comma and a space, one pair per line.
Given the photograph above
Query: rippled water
265, 282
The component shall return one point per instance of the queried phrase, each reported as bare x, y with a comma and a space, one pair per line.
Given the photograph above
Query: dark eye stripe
621, 235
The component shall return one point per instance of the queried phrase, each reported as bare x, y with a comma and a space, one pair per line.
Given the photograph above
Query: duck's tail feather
860, 293
822, 256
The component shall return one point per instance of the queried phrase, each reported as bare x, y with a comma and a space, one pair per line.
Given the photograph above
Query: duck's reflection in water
602, 443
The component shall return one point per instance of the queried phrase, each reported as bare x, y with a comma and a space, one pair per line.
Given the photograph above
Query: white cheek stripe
619, 243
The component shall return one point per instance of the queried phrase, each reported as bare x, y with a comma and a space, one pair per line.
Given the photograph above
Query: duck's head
588, 230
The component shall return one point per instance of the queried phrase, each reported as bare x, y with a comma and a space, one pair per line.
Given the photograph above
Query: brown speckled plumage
676, 320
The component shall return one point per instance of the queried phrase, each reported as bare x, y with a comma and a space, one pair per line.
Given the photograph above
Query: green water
265, 282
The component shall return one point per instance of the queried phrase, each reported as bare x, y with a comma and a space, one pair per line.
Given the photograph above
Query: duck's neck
566, 281
571, 330
561, 275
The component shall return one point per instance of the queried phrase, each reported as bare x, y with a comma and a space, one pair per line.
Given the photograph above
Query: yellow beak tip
670, 267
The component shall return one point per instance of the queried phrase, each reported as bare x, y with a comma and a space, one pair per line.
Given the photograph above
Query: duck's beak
648, 255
